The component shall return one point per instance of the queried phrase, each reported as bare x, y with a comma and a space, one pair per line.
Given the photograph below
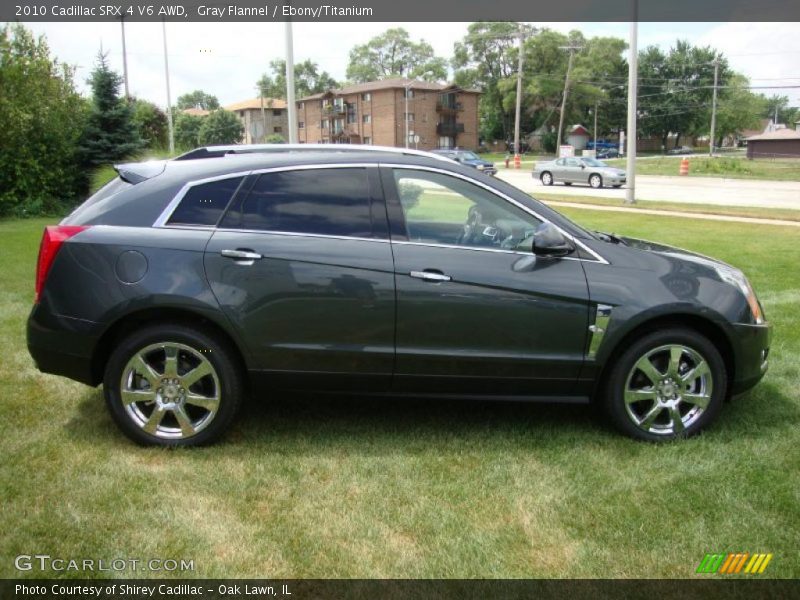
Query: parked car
578, 170
601, 145
680, 150
185, 284
608, 153
466, 157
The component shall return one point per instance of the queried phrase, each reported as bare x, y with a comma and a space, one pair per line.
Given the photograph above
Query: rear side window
204, 203
312, 201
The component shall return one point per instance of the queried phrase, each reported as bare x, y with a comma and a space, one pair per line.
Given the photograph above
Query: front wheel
596, 181
667, 384
171, 385
547, 178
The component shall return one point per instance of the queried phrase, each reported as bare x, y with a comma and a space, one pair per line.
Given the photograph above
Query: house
578, 136
780, 143
195, 112
379, 113
261, 117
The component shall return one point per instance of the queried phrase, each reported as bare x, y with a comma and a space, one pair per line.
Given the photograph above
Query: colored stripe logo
734, 562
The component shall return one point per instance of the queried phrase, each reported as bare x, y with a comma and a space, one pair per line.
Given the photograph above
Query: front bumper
751, 348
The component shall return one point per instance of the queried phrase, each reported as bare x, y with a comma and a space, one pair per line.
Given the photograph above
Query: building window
366, 119
366, 97
277, 129
408, 117
409, 93
301, 105
368, 140
324, 124
351, 116
301, 125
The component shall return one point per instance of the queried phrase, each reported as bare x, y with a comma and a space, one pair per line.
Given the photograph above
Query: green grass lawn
314, 487
722, 166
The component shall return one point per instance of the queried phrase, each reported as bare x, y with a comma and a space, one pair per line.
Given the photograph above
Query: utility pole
405, 89
711, 141
566, 93
520, 58
633, 77
125, 60
169, 98
291, 105
596, 104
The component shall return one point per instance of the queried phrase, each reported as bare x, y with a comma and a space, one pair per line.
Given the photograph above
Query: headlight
737, 278
480, 167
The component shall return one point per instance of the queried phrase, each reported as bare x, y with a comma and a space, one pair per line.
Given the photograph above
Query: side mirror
549, 241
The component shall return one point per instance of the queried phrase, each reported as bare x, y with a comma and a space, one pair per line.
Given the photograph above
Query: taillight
53, 237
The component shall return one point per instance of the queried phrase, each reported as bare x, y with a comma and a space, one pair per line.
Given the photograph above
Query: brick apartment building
261, 118
443, 116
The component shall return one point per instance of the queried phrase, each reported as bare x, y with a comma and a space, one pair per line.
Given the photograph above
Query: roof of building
257, 103
195, 112
778, 134
393, 83
579, 130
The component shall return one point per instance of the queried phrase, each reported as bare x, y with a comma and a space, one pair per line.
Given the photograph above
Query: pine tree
110, 133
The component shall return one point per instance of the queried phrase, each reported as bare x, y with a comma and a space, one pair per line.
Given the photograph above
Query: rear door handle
243, 257
431, 275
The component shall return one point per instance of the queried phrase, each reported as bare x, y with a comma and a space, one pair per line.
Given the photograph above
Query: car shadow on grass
380, 424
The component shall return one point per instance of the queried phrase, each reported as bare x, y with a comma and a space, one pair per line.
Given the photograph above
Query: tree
110, 134
41, 120
308, 79
786, 114
150, 122
198, 99
275, 138
394, 54
737, 108
220, 127
187, 130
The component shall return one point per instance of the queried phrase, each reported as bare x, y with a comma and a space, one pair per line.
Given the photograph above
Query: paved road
697, 190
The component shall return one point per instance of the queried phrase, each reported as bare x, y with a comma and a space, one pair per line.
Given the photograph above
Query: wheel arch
706, 327
149, 316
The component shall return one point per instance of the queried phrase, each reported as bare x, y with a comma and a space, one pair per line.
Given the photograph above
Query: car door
302, 266
559, 170
572, 170
474, 313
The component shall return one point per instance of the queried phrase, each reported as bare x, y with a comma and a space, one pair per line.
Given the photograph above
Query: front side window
311, 201
441, 209
204, 203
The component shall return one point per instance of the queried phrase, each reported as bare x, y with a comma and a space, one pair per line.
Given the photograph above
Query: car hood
678, 253
612, 171
485, 163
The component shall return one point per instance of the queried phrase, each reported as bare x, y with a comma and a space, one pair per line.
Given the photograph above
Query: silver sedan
579, 170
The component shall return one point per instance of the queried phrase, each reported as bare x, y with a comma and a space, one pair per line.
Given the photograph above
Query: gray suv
184, 285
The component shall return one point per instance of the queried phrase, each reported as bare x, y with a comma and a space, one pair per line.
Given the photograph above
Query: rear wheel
567, 183
547, 178
595, 181
171, 385
619, 185
667, 384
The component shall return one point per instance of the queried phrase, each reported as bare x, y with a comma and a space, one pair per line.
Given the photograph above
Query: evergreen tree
110, 133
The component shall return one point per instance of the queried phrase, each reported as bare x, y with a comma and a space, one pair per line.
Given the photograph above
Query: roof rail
218, 151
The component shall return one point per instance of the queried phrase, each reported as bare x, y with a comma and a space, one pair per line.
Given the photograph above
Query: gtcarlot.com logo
45, 562
734, 562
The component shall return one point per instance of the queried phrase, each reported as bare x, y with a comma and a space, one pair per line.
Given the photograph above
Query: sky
226, 59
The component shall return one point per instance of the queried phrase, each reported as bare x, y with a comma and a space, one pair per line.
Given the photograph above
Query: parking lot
695, 190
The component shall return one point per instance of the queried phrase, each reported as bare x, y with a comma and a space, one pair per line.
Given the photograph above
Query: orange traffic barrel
517, 161
684, 166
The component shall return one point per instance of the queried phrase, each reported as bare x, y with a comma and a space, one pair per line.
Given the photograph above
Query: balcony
449, 128
334, 109
448, 107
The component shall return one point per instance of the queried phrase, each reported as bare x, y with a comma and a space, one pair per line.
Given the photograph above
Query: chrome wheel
547, 179
596, 181
668, 389
170, 390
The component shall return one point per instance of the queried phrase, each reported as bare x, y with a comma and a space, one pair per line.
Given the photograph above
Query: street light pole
521, 37
291, 106
714, 109
169, 98
633, 75
125, 60
596, 104
405, 89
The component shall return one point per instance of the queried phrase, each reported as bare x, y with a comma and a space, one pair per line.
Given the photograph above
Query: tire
645, 409
547, 178
596, 181
567, 183
189, 404
619, 185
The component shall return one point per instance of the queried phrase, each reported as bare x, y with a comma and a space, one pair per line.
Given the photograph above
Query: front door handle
431, 275
242, 257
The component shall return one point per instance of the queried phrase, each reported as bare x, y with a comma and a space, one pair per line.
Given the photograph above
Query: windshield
591, 162
469, 155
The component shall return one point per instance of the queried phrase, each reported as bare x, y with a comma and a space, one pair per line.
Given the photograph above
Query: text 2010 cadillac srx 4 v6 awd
182, 285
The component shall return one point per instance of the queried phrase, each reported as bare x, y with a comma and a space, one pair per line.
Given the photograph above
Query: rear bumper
751, 347
63, 345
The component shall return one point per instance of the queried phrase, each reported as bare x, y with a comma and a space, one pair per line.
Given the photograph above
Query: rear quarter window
204, 203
